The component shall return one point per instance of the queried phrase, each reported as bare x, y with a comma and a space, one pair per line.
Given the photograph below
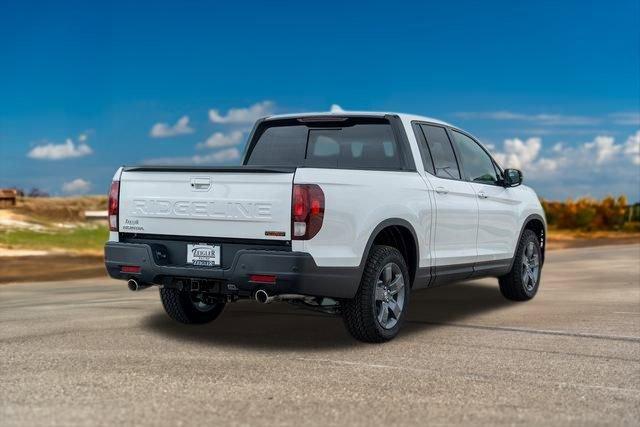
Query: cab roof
403, 116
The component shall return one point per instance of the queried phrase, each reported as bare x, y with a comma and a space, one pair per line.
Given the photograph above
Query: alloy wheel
389, 298
530, 266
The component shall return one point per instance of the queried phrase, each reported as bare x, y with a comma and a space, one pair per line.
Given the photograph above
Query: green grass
77, 239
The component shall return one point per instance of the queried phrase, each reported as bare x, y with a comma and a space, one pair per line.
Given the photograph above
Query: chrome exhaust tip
262, 296
133, 285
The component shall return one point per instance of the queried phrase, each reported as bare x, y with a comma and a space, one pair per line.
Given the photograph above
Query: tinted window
350, 144
280, 146
359, 146
444, 159
477, 164
424, 151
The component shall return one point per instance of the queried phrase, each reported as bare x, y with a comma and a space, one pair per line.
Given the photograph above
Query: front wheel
522, 282
185, 307
377, 311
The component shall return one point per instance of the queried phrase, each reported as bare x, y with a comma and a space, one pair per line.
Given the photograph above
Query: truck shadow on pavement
283, 327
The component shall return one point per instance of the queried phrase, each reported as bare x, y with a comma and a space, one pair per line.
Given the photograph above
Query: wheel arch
537, 224
398, 233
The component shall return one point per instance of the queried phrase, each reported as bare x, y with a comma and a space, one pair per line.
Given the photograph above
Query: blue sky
551, 87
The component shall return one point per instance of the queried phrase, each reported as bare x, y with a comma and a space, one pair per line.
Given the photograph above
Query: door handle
441, 190
482, 195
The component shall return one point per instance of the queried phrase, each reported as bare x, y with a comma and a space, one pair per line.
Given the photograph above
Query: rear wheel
185, 307
377, 311
522, 282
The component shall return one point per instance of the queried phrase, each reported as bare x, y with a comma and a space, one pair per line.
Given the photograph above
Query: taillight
307, 211
114, 195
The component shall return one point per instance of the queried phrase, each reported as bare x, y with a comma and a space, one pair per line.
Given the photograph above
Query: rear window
364, 143
279, 146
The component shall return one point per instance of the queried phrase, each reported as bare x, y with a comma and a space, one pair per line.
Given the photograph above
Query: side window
424, 151
477, 164
444, 159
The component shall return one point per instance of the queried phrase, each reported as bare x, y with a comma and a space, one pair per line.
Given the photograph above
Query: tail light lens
307, 211
114, 202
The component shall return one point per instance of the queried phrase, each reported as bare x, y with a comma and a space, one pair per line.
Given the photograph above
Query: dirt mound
59, 209
51, 267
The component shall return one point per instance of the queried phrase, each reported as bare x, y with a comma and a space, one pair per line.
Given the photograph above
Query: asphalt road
91, 352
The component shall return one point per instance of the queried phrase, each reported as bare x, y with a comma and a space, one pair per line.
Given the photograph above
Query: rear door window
444, 159
424, 150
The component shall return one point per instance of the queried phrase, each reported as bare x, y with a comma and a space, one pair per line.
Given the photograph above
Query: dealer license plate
203, 254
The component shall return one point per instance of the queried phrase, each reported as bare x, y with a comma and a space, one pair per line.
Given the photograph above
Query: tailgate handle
201, 184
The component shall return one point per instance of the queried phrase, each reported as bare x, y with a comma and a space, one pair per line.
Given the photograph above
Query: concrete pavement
92, 353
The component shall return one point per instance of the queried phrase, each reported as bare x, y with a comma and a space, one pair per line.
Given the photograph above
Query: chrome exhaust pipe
263, 297
133, 285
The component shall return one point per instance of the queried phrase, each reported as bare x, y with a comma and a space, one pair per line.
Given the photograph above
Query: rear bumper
296, 272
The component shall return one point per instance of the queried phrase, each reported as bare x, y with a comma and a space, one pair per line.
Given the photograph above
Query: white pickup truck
345, 213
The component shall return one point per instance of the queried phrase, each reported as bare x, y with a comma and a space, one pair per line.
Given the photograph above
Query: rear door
242, 203
455, 204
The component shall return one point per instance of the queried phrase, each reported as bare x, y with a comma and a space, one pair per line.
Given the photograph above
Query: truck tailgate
232, 203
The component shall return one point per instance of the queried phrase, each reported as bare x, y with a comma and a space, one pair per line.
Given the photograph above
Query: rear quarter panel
356, 201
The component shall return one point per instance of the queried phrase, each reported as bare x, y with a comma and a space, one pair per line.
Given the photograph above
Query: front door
498, 211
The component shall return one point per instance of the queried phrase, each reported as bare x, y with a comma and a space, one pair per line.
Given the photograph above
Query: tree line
586, 213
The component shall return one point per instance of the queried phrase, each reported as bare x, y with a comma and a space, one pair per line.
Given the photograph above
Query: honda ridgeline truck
344, 213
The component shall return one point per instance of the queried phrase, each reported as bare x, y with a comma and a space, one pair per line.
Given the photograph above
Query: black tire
180, 307
360, 314
516, 285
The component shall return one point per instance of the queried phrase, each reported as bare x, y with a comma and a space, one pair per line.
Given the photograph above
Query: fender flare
388, 223
526, 222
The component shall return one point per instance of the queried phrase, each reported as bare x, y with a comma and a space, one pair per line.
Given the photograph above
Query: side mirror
512, 177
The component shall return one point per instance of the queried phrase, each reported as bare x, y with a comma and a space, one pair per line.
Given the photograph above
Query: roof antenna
335, 108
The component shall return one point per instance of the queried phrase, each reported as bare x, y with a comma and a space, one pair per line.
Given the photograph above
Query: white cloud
243, 115
63, 151
596, 168
627, 118
586, 160
164, 130
220, 139
632, 148
604, 147
541, 130
77, 186
225, 155
335, 108
541, 119
221, 156
519, 154
631, 118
